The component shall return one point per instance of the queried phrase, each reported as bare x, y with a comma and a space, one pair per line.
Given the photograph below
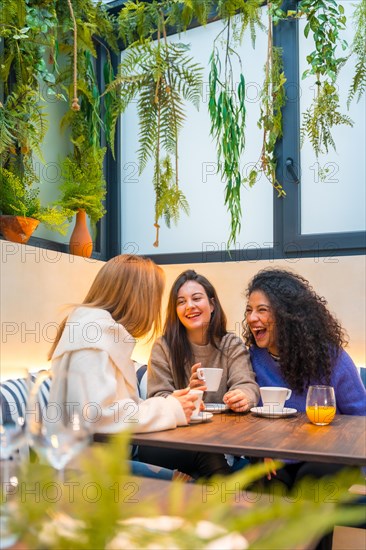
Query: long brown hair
129, 287
175, 333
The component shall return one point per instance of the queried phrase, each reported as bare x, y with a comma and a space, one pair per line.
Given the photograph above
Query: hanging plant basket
17, 229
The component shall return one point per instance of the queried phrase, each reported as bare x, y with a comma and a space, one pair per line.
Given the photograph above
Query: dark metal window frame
288, 243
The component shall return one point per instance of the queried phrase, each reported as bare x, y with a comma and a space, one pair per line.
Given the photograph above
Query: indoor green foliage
23, 124
358, 48
161, 76
83, 186
170, 199
273, 98
325, 19
140, 21
18, 198
227, 101
320, 118
86, 124
166, 77
227, 112
102, 506
29, 32
93, 22
248, 16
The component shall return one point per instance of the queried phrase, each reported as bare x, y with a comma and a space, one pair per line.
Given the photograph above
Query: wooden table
342, 442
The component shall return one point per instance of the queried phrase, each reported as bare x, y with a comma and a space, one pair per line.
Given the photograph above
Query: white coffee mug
198, 401
274, 398
211, 377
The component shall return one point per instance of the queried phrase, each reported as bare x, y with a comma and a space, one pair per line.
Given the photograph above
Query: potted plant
21, 209
83, 190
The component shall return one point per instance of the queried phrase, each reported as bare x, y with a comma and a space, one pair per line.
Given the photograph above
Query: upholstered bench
14, 394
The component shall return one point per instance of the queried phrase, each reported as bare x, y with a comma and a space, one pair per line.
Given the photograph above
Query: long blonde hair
129, 287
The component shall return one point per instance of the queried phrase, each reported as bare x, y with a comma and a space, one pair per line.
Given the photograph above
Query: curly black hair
308, 337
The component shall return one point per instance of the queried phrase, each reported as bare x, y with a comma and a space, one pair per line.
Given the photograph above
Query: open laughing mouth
192, 315
259, 333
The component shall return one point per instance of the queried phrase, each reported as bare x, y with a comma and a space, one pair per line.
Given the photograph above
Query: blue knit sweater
349, 390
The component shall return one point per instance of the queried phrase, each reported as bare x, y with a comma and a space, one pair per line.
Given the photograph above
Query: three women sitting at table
294, 342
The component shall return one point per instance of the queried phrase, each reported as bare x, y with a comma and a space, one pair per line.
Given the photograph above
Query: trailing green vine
227, 102
358, 48
227, 111
325, 19
272, 100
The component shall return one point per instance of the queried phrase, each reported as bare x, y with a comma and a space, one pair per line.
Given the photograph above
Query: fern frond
358, 48
321, 117
170, 200
148, 133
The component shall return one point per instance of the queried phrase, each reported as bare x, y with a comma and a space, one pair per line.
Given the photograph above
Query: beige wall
36, 284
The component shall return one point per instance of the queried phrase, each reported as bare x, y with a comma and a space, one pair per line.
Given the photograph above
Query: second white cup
211, 377
274, 398
198, 401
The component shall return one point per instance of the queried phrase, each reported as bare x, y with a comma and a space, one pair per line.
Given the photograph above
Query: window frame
287, 240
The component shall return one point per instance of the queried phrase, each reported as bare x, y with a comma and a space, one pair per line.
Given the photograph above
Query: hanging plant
227, 111
325, 19
161, 76
272, 99
320, 118
358, 48
227, 102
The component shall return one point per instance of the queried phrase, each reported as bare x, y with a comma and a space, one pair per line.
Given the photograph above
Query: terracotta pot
81, 243
17, 229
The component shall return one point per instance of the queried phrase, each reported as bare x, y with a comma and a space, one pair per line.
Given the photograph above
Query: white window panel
336, 204
208, 225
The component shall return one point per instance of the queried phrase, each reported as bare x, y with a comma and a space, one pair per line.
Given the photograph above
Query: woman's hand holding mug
187, 401
196, 383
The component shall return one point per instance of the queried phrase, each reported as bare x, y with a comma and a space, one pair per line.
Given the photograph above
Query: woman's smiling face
261, 321
194, 310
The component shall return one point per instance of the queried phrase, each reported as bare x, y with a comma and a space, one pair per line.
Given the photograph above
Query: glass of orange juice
320, 405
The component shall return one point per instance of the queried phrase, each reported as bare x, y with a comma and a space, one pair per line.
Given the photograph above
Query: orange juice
320, 415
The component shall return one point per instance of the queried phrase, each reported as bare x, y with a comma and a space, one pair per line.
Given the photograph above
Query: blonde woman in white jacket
97, 340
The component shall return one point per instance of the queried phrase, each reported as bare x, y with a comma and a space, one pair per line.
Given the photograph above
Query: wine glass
58, 430
320, 405
12, 449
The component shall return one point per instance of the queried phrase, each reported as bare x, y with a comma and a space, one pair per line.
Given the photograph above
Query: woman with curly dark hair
295, 341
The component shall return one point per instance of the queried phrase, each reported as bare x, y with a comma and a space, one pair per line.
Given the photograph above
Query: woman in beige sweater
194, 336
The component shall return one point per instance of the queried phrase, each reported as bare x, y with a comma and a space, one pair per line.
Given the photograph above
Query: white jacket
95, 351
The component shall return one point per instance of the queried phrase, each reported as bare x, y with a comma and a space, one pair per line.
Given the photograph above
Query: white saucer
261, 411
203, 416
216, 407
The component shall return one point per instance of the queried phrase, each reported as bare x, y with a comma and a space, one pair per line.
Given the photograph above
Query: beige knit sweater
232, 356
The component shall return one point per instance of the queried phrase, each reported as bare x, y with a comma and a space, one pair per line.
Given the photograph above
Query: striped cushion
141, 374
14, 395
13, 400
